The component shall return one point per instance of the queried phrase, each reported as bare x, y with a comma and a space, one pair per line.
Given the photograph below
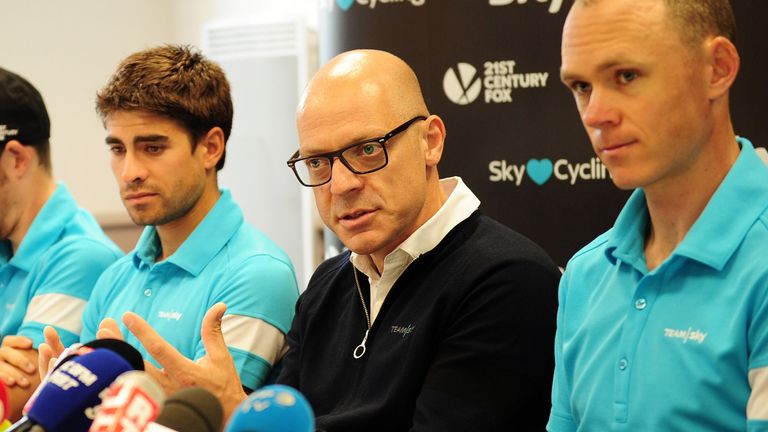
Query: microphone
125, 350
66, 401
129, 404
192, 409
4, 408
273, 408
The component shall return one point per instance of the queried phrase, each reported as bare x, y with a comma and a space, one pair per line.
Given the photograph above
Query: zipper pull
360, 349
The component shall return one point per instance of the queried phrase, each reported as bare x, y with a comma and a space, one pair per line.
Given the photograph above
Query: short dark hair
173, 81
697, 19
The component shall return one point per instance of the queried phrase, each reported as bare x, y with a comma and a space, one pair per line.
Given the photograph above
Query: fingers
53, 340
19, 359
211, 335
19, 342
9, 376
169, 386
157, 347
109, 329
44, 356
16, 367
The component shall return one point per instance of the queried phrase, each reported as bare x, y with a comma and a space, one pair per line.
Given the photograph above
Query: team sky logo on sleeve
463, 83
541, 171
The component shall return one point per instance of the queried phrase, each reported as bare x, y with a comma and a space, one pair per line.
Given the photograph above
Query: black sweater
463, 341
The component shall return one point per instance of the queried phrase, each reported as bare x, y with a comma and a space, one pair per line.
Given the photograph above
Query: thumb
211, 334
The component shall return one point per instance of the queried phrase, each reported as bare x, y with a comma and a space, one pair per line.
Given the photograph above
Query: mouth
614, 147
138, 196
354, 215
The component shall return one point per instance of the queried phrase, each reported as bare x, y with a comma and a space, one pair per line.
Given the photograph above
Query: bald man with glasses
437, 317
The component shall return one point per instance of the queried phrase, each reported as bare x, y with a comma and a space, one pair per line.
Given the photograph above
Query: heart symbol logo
345, 4
539, 170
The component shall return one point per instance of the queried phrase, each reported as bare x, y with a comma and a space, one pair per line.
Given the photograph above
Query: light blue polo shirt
49, 279
673, 349
223, 260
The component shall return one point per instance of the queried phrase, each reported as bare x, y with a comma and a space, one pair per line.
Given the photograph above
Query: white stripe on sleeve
59, 310
253, 335
757, 406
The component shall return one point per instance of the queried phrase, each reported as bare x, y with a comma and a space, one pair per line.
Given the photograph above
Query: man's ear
18, 158
724, 61
213, 145
435, 138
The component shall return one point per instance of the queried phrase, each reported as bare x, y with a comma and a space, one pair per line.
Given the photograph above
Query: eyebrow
609, 64
351, 143
137, 139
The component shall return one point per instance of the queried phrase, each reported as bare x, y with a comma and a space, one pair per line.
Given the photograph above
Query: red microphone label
125, 408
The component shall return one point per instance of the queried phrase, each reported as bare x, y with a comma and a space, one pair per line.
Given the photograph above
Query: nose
342, 179
132, 170
600, 110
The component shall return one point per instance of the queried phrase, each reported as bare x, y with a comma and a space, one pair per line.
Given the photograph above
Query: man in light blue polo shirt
663, 320
51, 251
168, 114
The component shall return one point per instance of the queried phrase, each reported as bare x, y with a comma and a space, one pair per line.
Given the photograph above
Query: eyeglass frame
332, 156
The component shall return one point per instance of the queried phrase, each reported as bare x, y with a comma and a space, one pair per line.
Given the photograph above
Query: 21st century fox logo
463, 84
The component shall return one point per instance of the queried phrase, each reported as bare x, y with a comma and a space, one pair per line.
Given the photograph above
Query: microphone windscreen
128, 352
69, 353
129, 404
192, 409
67, 400
273, 408
125, 350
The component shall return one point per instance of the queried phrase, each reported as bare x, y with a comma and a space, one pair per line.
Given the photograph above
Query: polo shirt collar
45, 230
627, 238
732, 210
461, 203
205, 242
739, 201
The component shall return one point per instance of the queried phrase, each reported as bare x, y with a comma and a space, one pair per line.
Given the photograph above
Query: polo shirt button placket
147, 292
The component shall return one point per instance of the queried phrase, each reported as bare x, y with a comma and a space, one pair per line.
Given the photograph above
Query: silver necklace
360, 349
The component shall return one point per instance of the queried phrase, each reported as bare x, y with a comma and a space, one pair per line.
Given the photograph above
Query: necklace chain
360, 349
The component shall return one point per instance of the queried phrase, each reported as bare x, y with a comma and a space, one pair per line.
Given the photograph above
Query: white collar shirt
461, 203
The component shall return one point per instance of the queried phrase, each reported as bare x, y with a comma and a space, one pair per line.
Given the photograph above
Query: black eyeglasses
360, 158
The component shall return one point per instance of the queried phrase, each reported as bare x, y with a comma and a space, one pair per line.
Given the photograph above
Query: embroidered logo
686, 335
5, 132
169, 315
402, 330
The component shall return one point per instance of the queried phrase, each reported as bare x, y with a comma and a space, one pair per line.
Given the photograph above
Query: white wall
190, 15
68, 49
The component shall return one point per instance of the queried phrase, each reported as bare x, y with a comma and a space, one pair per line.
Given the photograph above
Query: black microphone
192, 409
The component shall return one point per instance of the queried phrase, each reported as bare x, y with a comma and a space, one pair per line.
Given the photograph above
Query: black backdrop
490, 69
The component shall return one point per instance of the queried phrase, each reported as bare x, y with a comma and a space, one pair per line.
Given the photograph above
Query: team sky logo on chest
169, 315
686, 335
